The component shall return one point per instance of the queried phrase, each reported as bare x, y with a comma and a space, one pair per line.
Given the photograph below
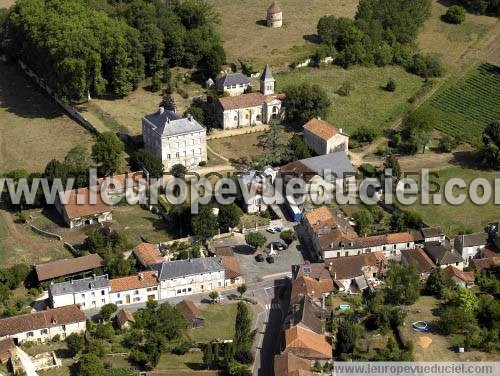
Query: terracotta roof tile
231, 267
450, 271
41, 320
274, 8
82, 208
148, 254
307, 344
123, 316
148, 279
6, 345
321, 128
307, 286
485, 263
320, 217
286, 363
401, 237
189, 310
352, 266
425, 264
247, 100
122, 180
64, 267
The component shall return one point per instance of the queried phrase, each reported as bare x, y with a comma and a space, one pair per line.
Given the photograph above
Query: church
251, 109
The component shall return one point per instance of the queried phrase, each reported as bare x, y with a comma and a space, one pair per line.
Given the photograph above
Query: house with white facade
175, 140
468, 246
42, 326
91, 292
442, 254
134, 289
233, 83
250, 109
192, 276
324, 138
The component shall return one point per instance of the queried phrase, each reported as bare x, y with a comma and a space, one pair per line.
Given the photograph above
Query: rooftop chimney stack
162, 110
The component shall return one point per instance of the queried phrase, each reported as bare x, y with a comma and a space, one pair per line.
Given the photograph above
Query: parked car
271, 230
278, 229
259, 257
279, 246
270, 259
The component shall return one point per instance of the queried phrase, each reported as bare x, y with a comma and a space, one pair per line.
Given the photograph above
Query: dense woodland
100, 47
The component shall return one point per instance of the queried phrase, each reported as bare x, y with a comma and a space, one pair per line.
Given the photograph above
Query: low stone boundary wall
46, 234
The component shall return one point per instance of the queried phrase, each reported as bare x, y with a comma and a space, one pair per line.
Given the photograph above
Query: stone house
233, 83
134, 289
252, 108
324, 138
42, 326
92, 292
443, 255
124, 319
191, 313
469, 245
175, 140
274, 17
417, 255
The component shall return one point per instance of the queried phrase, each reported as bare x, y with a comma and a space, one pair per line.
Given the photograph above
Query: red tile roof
307, 344
148, 254
78, 208
321, 128
64, 267
132, 178
139, 281
189, 310
485, 263
450, 271
424, 263
247, 100
350, 267
307, 286
286, 363
274, 8
41, 320
123, 316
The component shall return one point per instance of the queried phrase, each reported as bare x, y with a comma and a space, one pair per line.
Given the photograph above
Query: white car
271, 230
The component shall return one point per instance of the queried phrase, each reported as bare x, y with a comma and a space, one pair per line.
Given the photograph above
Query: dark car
270, 259
259, 257
279, 246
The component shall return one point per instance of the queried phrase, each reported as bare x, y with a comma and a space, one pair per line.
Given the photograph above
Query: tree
404, 221
299, 148
402, 284
24, 216
416, 131
274, 143
107, 311
451, 320
391, 85
364, 221
255, 239
467, 300
490, 151
208, 357
205, 223
305, 101
346, 337
90, 365
229, 217
168, 102
75, 343
143, 158
107, 152
392, 162
178, 170
288, 236
213, 295
426, 66
243, 334
242, 289
454, 15
435, 284
447, 143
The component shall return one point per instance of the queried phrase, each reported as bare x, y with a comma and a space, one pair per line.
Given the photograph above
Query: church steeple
267, 81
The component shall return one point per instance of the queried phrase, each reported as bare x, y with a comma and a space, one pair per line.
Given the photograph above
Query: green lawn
219, 323
465, 216
188, 361
464, 107
368, 104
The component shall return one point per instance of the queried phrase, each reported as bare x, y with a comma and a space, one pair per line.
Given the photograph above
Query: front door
127, 299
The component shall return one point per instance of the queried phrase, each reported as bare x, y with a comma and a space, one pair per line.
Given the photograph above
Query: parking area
255, 271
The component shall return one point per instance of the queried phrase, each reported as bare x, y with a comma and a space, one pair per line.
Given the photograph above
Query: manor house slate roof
167, 123
476, 239
79, 285
184, 268
441, 254
231, 79
337, 163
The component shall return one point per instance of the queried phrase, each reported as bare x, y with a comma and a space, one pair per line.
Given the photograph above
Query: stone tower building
267, 81
274, 15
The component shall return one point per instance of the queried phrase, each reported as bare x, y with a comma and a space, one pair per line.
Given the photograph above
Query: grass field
368, 104
247, 38
464, 107
465, 216
237, 146
219, 323
6, 3
33, 130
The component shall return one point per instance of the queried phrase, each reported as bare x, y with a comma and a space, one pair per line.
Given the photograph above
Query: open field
247, 38
368, 104
219, 323
456, 218
237, 146
33, 129
6, 3
440, 348
464, 107
19, 244
448, 41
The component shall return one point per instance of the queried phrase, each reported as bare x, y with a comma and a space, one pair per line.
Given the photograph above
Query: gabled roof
224, 251
441, 254
189, 310
167, 123
274, 8
79, 208
131, 178
337, 164
232, 79
139, 281
286, 363
59, 268
400, 237
231, 267
307, 286
418, 255
450, 271
267, 74
351, 267
123, 316
431, 232
321, 128
184, 268
307, 315
6, 346
41, 320
307, 344
475, 240
79, 285
485, 263
321, 217
148, 254
316, 271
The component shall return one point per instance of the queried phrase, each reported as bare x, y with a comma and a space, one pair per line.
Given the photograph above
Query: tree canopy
305, 101
107, 152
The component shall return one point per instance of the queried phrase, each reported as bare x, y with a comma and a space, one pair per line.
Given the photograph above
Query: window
103, 300
347, 253
338, 254
168, 156
103, 292
118, 295
137, 299
44, 331
93, 302
177, 155
136, 292
246, 116
92, 293
219, 284
394, 246
30, 334
83, 296
407, 245
189, 289
178, 291
236, 118
119, 302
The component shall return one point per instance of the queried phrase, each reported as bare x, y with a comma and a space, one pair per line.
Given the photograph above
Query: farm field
247, 38
464, 107
466, 216
33, 129
368, 104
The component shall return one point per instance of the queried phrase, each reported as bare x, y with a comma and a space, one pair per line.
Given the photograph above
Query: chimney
94, 276
190, 117
319, 118
141, 276
162, 110
167, 122
341, 130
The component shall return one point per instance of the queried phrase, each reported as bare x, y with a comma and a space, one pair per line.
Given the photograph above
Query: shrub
426, 66
391, 85
181, 348
345, 89
24, 216
454, 15
368, 170
155, 83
